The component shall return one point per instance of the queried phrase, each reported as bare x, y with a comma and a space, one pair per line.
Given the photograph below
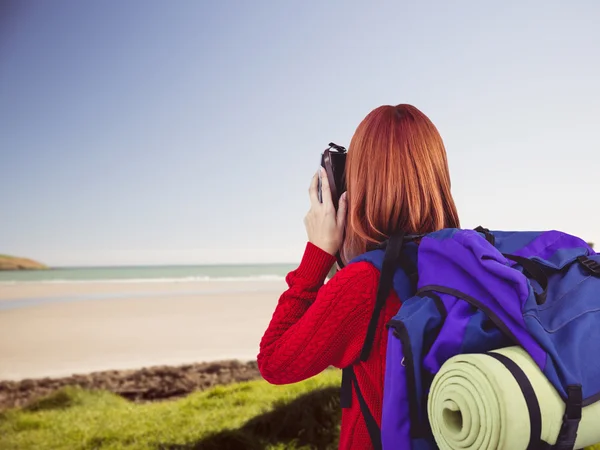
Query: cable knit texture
316, 325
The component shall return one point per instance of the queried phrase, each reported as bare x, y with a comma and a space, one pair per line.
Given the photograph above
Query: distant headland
15, 263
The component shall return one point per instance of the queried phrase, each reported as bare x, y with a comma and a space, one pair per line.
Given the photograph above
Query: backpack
476, 291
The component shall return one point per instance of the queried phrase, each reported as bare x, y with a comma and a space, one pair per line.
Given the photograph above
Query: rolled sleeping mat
476, 403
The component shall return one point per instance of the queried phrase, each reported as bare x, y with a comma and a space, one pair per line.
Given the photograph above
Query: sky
154, 132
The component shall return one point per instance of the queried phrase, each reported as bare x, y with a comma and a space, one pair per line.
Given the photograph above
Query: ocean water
249, 272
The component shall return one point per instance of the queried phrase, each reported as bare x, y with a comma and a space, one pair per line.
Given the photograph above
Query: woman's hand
325, 226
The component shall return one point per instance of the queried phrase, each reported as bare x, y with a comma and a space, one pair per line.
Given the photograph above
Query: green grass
250, 415
246, 416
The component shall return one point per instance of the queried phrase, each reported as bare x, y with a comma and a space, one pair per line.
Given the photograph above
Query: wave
253, 278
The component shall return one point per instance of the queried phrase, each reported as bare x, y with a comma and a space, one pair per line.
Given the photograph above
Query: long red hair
397, 179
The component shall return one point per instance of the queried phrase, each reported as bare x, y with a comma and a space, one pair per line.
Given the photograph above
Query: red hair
397, 179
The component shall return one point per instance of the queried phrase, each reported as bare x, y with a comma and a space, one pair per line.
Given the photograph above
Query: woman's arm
315, 325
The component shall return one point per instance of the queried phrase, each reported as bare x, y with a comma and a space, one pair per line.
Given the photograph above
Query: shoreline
122, 366
149, 383
10, 291
83, 328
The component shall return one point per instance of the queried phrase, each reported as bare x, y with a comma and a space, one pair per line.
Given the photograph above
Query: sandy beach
60, 329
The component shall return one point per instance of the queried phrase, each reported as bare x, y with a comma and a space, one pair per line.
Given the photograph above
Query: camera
333, 160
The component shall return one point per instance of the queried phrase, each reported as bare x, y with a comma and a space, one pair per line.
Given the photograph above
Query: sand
53, 330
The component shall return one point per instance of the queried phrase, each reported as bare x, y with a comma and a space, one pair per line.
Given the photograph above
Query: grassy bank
250, 415
8, 262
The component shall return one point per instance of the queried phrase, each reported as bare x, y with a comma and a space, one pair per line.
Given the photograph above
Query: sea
149, 274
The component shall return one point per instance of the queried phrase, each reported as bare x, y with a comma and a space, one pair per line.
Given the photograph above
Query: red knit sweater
317, 325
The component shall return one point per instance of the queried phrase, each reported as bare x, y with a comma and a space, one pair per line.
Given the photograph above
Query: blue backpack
477, 291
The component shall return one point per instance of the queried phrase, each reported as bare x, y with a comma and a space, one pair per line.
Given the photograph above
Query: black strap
393, 253
407, 238
346, 388
533, 406
488, 235
393, 256
405, 261
393, 248
568, 432
593, 267
534, 271
410, 269
386, 279
338, 257
372, 427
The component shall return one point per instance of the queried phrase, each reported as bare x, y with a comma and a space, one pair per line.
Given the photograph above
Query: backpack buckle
590, 265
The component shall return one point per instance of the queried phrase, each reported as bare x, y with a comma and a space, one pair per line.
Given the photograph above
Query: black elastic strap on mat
568, 432
372, 427
533, 406
535, 272
386, 279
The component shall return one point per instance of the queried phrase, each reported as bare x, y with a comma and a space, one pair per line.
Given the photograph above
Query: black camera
333, 160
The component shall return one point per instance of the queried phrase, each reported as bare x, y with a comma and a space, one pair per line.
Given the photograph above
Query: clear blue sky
147, 132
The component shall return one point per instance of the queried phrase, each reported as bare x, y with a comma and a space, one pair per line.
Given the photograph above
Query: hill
15, 263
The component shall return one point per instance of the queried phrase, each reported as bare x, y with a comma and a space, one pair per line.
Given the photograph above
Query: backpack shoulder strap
391, 260
349, 380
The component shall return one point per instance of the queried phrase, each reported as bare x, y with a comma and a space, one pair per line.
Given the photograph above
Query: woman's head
397, 179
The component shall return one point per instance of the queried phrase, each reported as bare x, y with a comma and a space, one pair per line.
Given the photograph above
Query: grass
250, 415
246, 416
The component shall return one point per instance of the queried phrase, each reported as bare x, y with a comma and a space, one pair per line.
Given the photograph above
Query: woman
397, 180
